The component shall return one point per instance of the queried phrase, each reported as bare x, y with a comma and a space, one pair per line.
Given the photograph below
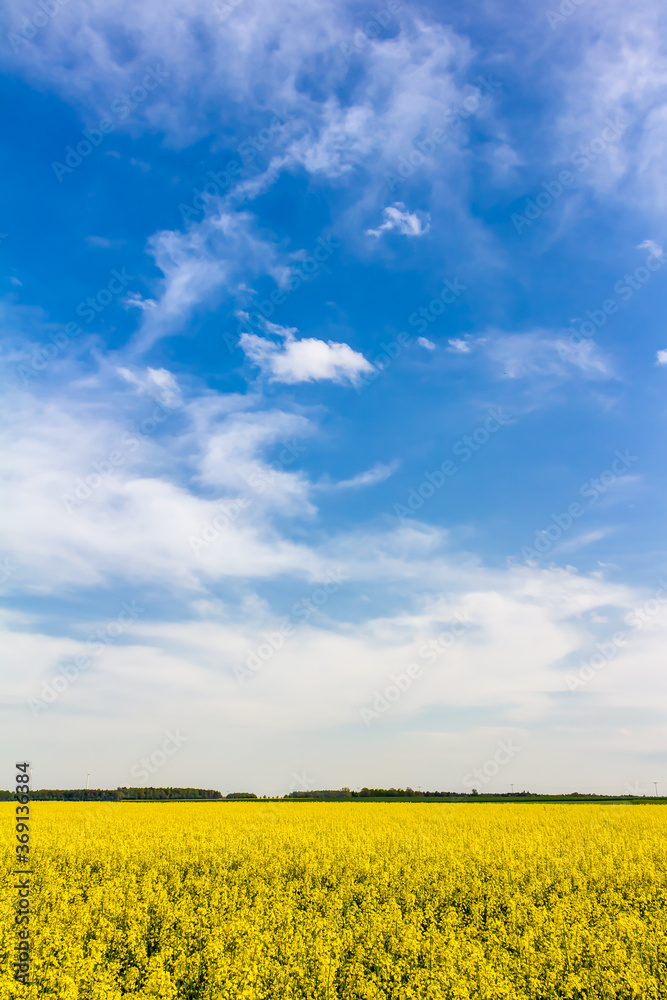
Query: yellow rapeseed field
342, 900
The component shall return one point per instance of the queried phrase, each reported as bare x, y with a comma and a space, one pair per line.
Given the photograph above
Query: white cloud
424, 342
166, 387
521, 355
580, 541
80, 516
459, 346
543, 622
307, 360
661, 357
129, 538
398, 219
233, 459
378, 474
587, 357
655, 249
156, 382
619, 75
405, 77
214, 256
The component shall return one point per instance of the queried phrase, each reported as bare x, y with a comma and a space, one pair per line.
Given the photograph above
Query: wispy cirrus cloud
378, 474
522, 355
214, 257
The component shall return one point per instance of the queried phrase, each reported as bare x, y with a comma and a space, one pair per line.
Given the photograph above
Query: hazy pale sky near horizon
334, 371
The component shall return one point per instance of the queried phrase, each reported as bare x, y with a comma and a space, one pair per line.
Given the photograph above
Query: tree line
114, 794
124, 794
391, 793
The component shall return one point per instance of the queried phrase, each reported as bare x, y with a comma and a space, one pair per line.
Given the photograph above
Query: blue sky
334, 372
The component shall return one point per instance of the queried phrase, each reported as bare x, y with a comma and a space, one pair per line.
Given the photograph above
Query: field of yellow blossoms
341, 900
